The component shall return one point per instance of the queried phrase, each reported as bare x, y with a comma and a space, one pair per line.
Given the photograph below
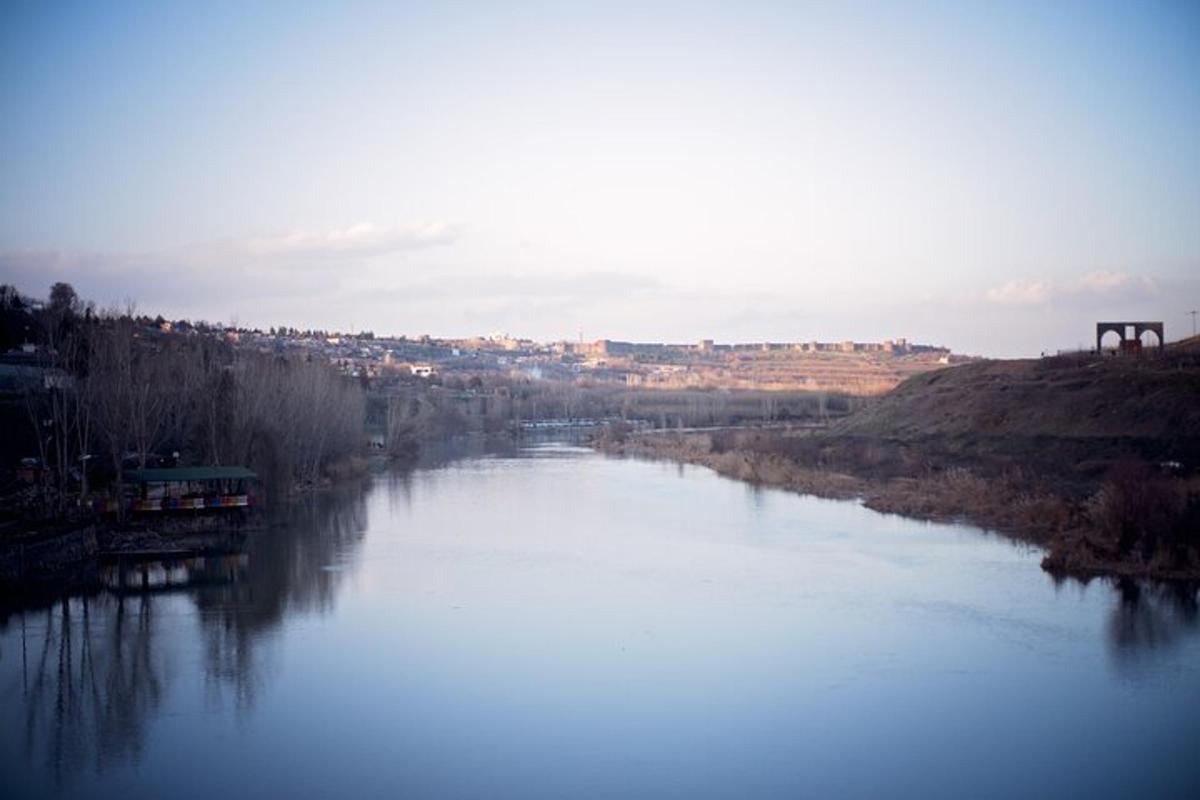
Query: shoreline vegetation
88, 396
1096, 459
1012, 447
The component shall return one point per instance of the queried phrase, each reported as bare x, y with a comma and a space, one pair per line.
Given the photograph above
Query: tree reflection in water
1147, 618
81, 680
94, 670
294, 568
89, 679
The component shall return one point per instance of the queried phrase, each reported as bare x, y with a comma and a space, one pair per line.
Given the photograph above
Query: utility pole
1193, 313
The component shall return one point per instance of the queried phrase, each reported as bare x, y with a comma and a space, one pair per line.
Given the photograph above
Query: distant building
1130, 336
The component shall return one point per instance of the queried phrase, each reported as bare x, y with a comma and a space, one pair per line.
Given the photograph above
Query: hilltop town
299, 405
852, 368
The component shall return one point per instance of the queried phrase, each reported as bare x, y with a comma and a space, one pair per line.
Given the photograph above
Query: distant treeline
402, 414
99, 393
108, 385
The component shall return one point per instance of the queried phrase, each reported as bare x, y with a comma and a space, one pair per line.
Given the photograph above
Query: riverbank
45, 559
48, 561
589, 567
1096, 461
1082, 533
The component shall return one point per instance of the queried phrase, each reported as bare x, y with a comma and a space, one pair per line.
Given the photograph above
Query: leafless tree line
117, 391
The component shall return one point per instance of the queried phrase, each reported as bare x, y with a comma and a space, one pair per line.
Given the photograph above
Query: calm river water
552, 623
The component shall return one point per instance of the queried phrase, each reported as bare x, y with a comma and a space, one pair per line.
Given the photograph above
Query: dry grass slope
1057, 397
1097, 460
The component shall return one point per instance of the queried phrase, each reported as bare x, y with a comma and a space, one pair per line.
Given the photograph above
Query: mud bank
1078, 525
46, 562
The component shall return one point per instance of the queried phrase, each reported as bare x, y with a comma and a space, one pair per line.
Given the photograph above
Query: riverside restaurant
173, 489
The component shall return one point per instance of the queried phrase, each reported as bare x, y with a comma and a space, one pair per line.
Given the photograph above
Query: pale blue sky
992, 177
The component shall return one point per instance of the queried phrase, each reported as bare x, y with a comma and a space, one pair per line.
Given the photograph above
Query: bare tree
111, 376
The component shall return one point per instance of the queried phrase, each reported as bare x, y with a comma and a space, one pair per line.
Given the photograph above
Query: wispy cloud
581, 288
1102, 283
357, 241
1022, 292
1105, 282
347, 276
297, 249
220, 272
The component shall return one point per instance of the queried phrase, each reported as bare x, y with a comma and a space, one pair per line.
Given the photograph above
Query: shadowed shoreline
1094, 460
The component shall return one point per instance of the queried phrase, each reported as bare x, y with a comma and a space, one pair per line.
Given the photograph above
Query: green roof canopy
183, 474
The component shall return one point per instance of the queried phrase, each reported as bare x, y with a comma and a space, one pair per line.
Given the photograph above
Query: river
554, 623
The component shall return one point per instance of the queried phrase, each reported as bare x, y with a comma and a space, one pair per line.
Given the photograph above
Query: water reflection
94, 669
164, 575
90, 677
1149, 618
638, 595
287, 573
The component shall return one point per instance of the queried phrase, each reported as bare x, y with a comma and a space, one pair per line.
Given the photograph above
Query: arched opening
1110, 341
1149, 338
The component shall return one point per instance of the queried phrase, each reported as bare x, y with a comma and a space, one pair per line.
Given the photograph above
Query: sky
992, 177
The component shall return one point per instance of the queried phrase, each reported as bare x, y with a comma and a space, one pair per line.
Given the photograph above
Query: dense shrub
1137, 507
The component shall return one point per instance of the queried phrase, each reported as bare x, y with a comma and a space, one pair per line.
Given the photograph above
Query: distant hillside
1188, 345
861, 374
1095, 459
1150, 398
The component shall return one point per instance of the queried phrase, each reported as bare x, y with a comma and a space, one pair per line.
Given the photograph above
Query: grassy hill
1143, 398
1095, 459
